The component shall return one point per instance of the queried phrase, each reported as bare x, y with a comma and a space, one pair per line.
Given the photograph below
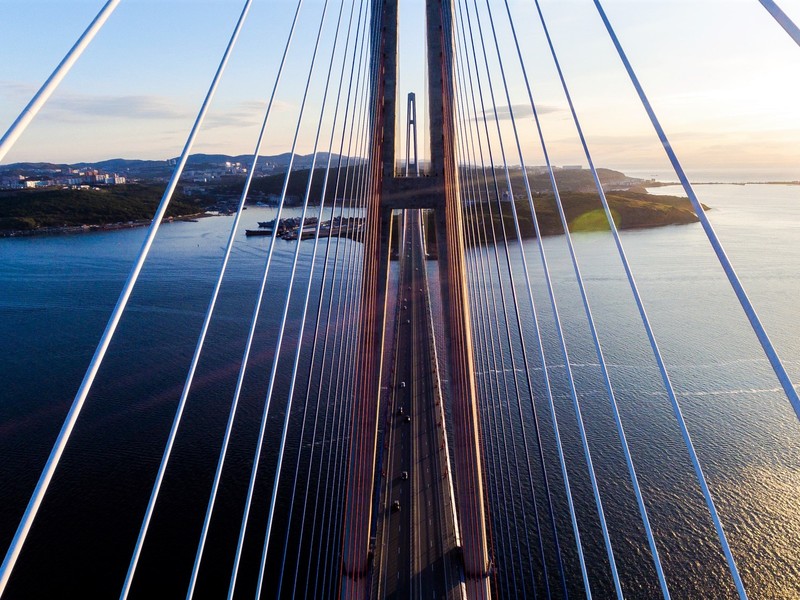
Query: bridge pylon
439, 191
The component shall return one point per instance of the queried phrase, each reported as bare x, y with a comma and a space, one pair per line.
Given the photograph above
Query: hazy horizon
719, 74
696, 175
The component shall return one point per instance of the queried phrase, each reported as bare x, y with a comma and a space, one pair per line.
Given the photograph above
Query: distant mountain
122, 164
159, 169
279, 161
30, 167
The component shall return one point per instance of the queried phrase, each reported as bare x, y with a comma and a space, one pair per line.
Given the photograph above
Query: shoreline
78, 229
655, 184
81, 229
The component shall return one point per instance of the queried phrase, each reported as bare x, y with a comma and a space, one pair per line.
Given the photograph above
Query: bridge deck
416, 543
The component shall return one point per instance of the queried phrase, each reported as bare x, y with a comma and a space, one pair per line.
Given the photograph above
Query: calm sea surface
747, 437
56, 294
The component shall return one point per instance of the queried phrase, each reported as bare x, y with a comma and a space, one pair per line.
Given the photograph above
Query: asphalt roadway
415, 544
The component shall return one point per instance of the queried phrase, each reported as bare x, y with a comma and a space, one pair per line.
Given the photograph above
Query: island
630, 209
27, 212
631, 205
209, 186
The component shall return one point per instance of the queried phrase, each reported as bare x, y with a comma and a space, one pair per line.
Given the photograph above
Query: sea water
56, 294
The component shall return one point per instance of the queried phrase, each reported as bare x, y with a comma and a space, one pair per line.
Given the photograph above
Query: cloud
79, 107
66, 106
521, 111
247, 113
17, 90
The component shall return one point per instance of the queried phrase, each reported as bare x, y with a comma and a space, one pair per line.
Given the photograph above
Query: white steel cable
345, 279
471, 479
349, 373
195, 359
334, 293
326, 422
340, 396
518, 396
523, 344
330, 302
339, 334
542, 358
501, 429
235, 401
482, 244
257, 311
318, 317
348, 368
738, 289
83, 391
357, 375
40, 98
493, 372
525, 362
345, 356
278, 347
736, 284
491, 381
585, 300
340, 393
781, 17
534, 410
485, 387
556, 316
342, 300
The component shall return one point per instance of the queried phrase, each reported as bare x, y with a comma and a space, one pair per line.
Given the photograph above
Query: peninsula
35, 198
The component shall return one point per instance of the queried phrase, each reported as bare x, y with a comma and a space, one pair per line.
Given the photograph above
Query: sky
723, 77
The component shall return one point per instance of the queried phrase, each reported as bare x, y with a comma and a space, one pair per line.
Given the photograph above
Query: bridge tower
438, 191
411, 134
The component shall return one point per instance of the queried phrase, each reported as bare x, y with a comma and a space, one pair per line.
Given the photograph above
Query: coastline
655, 184
121, 225
77, 229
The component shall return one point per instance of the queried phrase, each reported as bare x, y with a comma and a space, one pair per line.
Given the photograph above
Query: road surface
415, 552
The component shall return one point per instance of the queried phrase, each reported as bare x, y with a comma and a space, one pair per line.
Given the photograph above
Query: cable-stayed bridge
422, 428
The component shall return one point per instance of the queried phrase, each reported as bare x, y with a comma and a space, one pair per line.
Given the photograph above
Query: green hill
584, 212
29, 210
33, 209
